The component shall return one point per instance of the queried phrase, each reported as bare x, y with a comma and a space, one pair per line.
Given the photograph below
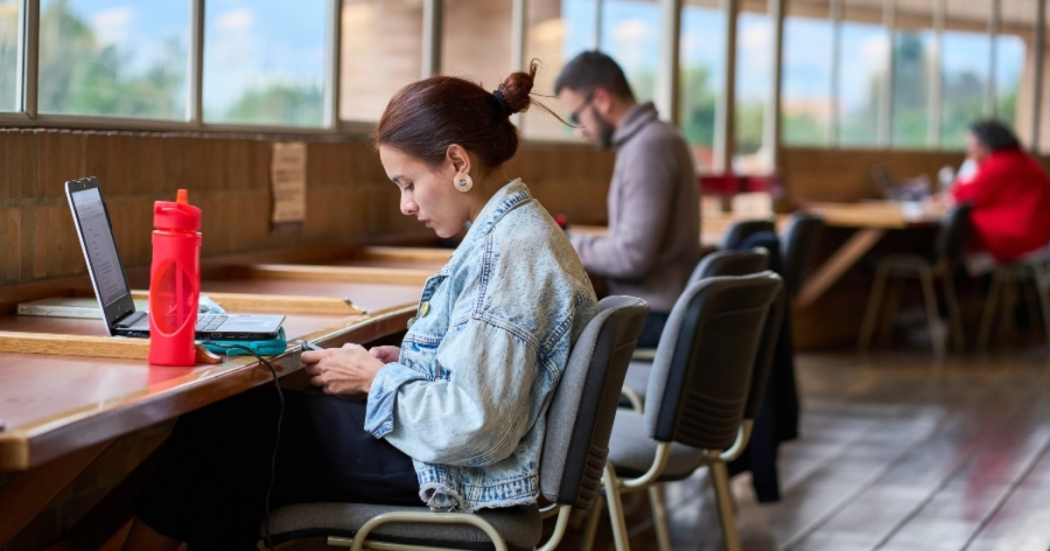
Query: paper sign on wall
288, 183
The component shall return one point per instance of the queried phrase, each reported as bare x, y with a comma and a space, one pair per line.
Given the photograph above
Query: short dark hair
591, 70
425, 117
994, 135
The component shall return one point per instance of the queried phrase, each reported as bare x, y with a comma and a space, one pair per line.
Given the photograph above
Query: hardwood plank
282, 304
19, 342
393, 276
408, 254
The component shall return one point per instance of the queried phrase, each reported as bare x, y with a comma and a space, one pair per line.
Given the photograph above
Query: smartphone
311, 346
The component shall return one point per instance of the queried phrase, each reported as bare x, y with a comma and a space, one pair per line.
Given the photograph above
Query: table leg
844, 258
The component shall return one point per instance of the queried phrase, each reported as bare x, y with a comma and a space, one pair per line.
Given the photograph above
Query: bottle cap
178, 215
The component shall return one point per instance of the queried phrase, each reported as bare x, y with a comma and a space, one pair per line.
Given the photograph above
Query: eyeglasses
574, 117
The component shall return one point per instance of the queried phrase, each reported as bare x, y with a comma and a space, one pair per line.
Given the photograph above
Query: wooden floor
895, 454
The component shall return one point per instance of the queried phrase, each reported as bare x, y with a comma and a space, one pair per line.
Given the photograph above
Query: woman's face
975, 149
427, 192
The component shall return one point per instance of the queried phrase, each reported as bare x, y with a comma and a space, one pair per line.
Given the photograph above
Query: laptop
111, 286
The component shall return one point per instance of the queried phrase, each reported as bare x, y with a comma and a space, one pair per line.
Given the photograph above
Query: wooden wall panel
349, 197
820, 174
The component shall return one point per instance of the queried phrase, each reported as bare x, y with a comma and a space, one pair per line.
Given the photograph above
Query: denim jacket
467, 399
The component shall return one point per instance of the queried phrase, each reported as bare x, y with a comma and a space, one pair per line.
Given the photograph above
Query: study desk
712, 227
60, 412
871, 219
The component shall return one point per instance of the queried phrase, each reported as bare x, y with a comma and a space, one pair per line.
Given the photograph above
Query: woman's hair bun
517, 87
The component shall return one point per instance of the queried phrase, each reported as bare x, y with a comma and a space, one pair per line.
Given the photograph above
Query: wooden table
872, 220
712, 228
60, 412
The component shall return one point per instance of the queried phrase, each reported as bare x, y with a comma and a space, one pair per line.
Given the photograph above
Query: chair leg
989, 312
954, 315
1006, 313
612, 494
656, 502
932, 316
724, 497
1042, 288
592, 523
871, 313
893, 305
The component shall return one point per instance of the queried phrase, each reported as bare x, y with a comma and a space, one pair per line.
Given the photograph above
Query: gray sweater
653, 242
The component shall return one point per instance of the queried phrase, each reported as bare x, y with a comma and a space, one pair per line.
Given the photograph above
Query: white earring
463, 182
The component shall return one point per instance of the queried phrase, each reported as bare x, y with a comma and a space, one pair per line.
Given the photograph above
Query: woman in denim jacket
455, 416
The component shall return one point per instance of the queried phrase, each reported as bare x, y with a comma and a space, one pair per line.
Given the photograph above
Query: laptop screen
99, 246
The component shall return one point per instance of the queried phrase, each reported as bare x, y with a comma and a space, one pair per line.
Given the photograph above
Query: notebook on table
95, 231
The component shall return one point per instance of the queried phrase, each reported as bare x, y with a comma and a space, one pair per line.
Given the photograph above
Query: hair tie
503, 102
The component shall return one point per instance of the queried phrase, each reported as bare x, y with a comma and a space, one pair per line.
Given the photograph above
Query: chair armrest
633, 398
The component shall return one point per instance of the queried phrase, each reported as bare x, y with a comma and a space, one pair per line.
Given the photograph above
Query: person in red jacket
1010, 195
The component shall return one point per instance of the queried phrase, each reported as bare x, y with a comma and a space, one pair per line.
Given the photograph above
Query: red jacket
1010, 195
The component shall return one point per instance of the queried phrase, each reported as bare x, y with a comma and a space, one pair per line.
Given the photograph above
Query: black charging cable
280, 418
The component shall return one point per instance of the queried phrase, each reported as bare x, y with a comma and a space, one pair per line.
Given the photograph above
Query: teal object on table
270, 347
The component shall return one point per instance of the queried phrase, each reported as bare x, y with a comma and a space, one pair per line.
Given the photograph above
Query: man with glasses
653, 242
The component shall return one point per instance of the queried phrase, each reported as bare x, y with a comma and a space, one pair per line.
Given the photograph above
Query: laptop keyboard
210, 322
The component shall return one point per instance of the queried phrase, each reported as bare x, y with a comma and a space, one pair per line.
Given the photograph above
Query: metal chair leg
1042, 288
932, 316
656, 502
724, 497
612, 494
893, 305
989, 311
954, 314
1006, 313
871, 313
587, 543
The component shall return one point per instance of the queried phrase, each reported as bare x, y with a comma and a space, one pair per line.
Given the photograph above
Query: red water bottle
175, 282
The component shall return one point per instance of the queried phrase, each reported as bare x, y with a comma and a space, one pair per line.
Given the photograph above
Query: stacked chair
798, 247
705, 389
576, 443
720, 263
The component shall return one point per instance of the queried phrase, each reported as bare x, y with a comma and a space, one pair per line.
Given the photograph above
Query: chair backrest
705, 362
797, 248
740, 230
767, 348
951, 238
580, 417
731, 263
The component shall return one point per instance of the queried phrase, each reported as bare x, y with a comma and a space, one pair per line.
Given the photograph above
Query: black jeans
209, 486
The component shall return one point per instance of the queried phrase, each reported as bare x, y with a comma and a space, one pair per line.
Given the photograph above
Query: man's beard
605, 131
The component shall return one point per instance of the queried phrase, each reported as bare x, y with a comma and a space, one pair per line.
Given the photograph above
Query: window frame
667, 93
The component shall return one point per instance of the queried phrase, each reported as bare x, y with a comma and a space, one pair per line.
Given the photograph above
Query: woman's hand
346, 371
386, 354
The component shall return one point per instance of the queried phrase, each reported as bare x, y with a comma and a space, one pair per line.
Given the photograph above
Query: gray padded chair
949, 246
739, 231
718, 263
707, 386
797, 247
575, 446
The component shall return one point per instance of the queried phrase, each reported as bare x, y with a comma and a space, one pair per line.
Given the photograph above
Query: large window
630, 33
114, 57
701, 76
10, 49
1013, 46
805, 95
476, 41
863, 67
914, 59
380, 53
754, 84
965, 62
555, 32
264, 61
